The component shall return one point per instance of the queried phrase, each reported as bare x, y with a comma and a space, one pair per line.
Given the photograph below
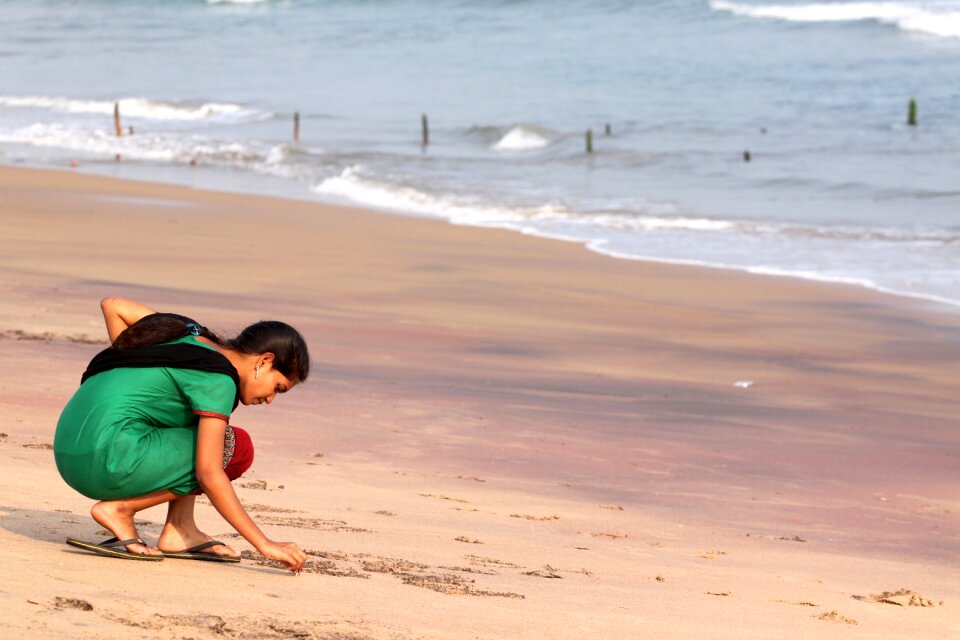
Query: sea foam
940, 19
153, 146
353, 185
138, 108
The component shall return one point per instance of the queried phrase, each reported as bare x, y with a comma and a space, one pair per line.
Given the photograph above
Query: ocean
769, 137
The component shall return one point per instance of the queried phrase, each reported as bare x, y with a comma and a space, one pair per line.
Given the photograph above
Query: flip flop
114, 548
197, 553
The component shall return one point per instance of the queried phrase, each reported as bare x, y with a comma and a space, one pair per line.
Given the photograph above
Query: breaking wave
941, 19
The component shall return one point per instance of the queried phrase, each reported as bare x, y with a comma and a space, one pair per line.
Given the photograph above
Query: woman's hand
286, 552
216, 485
120, 313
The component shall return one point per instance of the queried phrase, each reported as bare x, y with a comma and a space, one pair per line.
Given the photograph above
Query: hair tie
194, 328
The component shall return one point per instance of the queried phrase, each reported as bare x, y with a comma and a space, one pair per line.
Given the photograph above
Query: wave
139, 108
352, 185
938, 18
523, 138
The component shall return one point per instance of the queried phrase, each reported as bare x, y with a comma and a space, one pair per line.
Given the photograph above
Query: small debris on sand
833, 616
801, 603
609, 534
793, 539
430, 495
546, 572
72, 603
901, 598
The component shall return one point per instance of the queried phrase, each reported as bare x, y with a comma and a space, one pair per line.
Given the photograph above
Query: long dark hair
292, 358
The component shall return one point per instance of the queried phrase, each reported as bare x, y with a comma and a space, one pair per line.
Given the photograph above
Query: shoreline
285, 189
506, 414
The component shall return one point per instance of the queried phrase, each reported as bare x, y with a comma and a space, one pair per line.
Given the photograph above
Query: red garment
242, 455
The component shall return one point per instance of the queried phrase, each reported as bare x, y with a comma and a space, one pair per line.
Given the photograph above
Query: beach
502, 435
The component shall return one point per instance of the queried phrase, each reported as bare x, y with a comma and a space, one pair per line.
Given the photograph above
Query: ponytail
158, 328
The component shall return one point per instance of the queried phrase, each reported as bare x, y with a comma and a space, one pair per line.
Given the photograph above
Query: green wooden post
589, 140
425, 126
912, 113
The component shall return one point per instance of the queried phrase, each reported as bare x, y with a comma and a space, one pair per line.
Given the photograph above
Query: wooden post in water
589, 140
116, 119
425, 126
296, 126
912, 113
608, 129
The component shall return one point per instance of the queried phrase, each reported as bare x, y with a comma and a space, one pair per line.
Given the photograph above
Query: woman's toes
143, 550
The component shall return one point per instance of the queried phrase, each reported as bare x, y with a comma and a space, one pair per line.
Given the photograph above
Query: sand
502, 436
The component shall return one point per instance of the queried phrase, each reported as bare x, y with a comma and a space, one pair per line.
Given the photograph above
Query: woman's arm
120, 313
216, 485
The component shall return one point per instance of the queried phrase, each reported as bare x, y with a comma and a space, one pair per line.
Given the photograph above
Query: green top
131, 431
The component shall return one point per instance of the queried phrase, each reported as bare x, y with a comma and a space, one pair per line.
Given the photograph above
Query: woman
149, 425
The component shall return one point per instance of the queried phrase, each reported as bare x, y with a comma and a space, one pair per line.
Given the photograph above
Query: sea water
767, 136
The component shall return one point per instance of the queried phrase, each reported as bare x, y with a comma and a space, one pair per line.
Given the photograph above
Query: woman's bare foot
116, 516
173, 539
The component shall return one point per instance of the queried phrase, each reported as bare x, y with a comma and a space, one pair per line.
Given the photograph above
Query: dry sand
502, 437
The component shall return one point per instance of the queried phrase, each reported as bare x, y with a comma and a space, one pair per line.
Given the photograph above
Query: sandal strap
113, 542
204, 545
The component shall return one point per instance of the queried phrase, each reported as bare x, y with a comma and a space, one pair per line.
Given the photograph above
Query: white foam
522, 138
932, 18
139, 108
351, 185
658, 223
600, 247
159, 147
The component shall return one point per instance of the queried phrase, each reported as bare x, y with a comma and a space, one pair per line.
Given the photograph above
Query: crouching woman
150, 425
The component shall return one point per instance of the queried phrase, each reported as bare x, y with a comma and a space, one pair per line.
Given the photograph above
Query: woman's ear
266, 360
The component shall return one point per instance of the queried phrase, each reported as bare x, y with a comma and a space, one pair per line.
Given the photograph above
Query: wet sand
502, 436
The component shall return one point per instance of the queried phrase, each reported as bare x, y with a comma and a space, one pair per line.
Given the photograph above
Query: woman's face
263, 387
